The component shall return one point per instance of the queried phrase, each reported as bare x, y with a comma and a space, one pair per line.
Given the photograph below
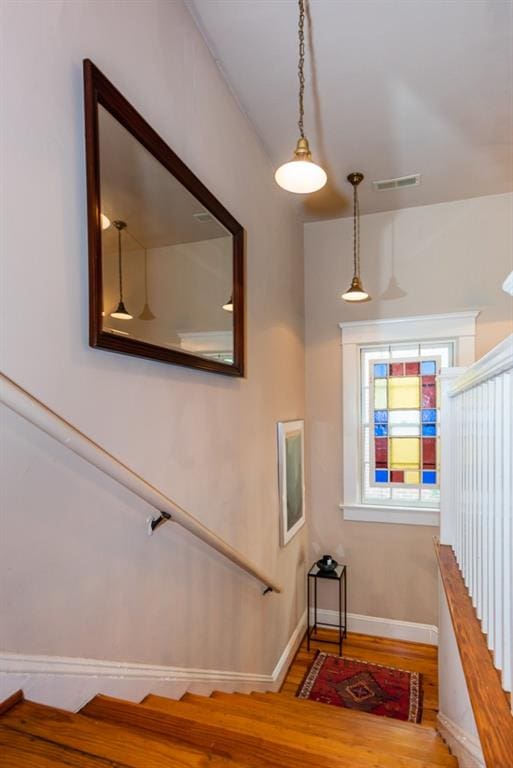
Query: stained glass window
401, 423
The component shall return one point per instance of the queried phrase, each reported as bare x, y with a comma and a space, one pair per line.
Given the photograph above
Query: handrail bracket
156, 522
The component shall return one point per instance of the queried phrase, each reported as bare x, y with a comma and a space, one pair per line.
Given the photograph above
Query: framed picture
291, 475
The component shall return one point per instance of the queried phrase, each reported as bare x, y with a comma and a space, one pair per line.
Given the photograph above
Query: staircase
255, 730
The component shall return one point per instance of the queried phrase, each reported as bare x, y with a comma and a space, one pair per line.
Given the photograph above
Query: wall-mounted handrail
38, 414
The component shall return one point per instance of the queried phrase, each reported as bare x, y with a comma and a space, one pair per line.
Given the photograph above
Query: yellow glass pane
380, 394
404, 453
412, 477
404, 392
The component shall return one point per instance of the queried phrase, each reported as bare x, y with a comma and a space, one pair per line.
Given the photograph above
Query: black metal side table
337, 575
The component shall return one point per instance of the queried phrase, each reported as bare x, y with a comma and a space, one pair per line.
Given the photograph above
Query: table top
336, 573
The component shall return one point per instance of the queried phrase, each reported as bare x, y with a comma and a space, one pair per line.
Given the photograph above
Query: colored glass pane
381, 452
397, 476
412, 477
429, 416
380, 394
403, 392
404, 453
428, 392
429, 430
429, 478
381, 417
406, 431
428, 367
412, 369
381, 476
396, 369
380, 370
381, 430
404, 417
428, 453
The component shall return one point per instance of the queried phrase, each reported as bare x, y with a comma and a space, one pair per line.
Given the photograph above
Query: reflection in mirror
166, 260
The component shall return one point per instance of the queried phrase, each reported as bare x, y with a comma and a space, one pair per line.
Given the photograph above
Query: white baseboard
378, 627
68, 682
464, 747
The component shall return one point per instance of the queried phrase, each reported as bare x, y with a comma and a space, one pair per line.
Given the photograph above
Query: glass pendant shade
121, 313
229, 305
104, 221
356, 292
301, 175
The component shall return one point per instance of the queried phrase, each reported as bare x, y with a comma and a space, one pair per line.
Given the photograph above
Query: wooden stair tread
235, 735
20, 750
100, 739
396, 742
325, 712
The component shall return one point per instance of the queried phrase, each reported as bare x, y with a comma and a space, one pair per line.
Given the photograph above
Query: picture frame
291, 478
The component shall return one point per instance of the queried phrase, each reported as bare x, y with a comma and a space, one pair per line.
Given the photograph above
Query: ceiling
394, 87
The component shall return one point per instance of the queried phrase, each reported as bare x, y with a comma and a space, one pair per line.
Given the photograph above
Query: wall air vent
204, 217
403, 181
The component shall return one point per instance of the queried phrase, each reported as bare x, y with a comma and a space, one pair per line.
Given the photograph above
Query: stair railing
37, 413
477, 499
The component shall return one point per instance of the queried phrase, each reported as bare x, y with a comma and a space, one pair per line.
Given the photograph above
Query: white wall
427, 260
79, 575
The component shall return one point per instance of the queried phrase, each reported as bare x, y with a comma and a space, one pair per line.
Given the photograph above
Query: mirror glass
167, 262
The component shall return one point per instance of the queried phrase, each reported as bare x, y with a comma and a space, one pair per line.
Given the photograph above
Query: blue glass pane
380, 370
429, 415
429, 478
381, 417
381, 430
382, 475
428, 368
429, 430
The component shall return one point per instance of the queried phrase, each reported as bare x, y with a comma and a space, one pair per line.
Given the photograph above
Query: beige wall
79, 575
438, 258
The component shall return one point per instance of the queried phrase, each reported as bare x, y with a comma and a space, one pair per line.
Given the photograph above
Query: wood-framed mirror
165, 256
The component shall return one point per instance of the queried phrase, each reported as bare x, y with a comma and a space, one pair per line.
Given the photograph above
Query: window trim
457, 326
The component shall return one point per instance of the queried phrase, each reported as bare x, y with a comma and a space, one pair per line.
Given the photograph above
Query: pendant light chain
356, 231
301, 66
120, 267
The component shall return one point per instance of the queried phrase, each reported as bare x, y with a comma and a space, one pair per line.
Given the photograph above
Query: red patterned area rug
355, 684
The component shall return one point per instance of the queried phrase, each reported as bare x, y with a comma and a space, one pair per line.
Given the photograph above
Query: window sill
400, 515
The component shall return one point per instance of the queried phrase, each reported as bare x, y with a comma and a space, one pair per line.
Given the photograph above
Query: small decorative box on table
337, 574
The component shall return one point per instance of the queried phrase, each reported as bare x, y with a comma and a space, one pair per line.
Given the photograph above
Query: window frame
457, 327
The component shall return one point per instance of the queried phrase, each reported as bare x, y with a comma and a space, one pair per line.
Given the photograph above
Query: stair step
238, 736
20, 750
102, 740
317, 709
351, 731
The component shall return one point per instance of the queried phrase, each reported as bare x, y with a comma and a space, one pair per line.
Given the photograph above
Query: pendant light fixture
356, 292
301, 174
121, 311
146, 313
229, 304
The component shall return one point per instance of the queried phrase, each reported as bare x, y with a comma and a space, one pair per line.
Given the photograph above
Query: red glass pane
396, 369
429, 453
397, 477
381, 452
428, 392
412, 369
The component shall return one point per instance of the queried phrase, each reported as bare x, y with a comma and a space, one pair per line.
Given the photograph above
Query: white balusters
477, 492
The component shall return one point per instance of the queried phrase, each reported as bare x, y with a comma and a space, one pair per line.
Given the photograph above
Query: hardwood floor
396, 653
